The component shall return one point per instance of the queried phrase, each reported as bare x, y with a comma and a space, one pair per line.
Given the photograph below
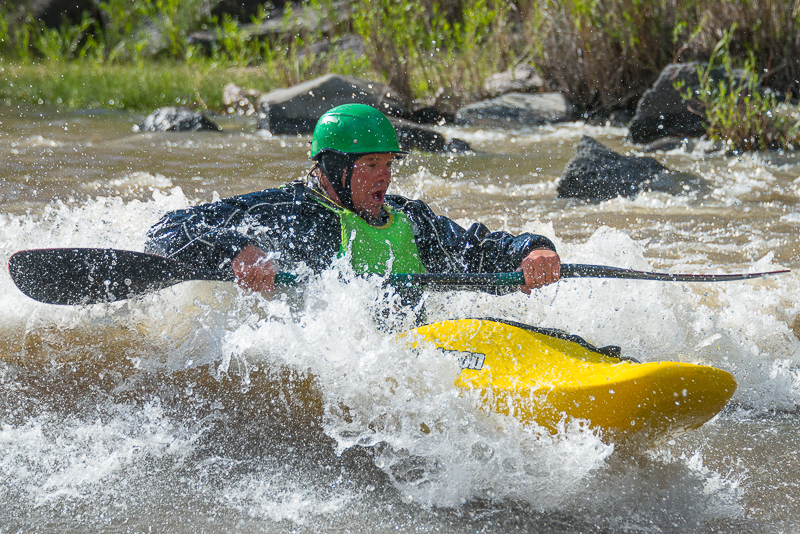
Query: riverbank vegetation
738, 110
141, 54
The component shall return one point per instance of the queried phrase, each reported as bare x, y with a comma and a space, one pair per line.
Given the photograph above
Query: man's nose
385, 172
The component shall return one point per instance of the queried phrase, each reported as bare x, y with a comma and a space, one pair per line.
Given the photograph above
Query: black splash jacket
290, 220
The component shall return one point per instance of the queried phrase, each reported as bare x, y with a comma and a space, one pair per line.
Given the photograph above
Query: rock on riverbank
296, 110
513, 110
662, 111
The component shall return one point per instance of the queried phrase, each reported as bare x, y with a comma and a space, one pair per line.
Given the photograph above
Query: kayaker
342, 208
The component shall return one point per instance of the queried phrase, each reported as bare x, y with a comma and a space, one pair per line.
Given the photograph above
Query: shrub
605, 53
424, 48
767, 30
737, 110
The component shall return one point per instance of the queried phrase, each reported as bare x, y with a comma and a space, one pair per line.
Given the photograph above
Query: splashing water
202, 408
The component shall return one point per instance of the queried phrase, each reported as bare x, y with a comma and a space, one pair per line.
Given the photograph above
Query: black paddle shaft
94, 275
91, 275
603, 271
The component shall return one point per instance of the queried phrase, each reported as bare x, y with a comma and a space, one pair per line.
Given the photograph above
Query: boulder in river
513, 110
598, 173
176, 119
662, 111
296, 110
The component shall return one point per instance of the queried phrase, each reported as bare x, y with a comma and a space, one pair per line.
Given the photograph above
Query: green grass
140, 86
122, 67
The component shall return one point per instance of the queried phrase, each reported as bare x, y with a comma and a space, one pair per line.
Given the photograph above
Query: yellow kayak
534, 375
546, 376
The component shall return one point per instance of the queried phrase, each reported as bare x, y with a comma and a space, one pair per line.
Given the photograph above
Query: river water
204, 409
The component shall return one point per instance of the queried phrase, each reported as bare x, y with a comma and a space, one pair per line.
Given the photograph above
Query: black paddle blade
89, 275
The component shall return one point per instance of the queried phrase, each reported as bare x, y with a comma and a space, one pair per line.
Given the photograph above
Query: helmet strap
334, 165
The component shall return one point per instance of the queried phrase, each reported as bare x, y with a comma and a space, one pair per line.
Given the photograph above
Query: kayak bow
545, 376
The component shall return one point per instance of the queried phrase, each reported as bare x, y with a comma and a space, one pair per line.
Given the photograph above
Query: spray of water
433, 442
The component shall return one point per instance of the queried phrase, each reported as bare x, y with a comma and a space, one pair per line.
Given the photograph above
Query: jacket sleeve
280, 220
207, 236
444, 246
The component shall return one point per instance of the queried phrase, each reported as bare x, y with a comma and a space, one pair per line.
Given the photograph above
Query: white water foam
429, 438
433, 444
50, 460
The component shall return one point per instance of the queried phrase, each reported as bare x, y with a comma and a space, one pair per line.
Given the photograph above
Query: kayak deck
541, 376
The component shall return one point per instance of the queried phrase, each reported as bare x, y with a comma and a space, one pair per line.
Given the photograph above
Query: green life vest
373, 248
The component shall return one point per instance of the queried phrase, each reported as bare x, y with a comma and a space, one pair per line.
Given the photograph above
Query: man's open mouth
378, 196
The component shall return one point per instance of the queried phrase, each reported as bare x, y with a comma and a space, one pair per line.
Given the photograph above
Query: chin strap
333, 165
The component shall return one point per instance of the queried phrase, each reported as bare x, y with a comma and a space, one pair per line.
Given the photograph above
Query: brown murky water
114, 418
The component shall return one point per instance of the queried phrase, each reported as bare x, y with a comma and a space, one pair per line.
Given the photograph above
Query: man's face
372, 175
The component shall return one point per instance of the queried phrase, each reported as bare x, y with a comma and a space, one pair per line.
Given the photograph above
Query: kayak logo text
469, 360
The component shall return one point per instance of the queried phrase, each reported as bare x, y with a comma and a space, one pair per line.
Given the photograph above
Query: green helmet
354, 129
